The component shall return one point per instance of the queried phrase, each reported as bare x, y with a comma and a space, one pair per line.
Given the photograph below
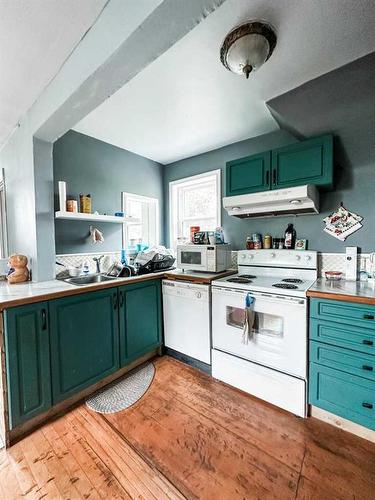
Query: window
194, 201
3, 222
147, 211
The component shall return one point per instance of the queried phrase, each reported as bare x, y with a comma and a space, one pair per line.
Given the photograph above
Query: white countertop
365, 289
29, 292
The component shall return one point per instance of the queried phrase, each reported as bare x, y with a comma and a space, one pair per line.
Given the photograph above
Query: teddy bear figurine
18, 271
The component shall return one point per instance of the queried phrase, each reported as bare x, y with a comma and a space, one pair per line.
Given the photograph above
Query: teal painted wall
353, 186
104, 171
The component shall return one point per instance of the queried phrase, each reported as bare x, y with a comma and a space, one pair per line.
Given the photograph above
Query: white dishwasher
187, 318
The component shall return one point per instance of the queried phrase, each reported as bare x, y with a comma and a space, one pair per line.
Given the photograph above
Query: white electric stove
273, 364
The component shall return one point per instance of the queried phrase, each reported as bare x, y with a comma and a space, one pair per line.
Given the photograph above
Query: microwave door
279, 338
192, 259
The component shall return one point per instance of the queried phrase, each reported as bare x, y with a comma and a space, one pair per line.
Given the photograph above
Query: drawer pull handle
367, 367
368, 316
368, 405
367, 342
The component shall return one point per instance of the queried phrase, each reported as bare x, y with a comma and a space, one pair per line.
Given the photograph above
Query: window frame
140, 198
4, 251
173, 201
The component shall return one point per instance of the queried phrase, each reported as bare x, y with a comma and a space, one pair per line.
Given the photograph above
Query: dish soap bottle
290, 237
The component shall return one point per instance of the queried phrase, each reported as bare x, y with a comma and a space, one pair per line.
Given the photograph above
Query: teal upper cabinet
248, 175
84, 340
27, 361
140, 319
306, 162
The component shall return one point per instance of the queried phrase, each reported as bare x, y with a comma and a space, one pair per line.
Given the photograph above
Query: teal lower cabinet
27, 361
343, 394
84, 340
342, 359
140, 319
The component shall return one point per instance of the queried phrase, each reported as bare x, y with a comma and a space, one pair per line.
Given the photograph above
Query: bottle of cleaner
290, 237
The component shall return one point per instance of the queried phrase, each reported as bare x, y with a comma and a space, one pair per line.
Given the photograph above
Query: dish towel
247, 333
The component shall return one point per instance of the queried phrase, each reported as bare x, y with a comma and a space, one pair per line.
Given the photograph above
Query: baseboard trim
342, 423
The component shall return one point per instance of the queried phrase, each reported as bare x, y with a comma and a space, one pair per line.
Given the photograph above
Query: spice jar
275, 243
267, 243
249, 243
281, 243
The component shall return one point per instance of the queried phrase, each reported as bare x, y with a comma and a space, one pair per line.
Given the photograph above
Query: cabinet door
84, 340
248, 175
27, 361
306, 162
140, 319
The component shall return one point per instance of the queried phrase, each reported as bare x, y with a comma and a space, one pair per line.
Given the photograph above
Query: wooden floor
189, 437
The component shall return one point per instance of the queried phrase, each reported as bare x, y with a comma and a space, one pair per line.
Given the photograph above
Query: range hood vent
302, 200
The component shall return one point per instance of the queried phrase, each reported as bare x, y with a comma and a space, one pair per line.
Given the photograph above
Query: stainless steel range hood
301, 200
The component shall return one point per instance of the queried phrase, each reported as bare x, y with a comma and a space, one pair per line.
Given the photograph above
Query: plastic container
333, 275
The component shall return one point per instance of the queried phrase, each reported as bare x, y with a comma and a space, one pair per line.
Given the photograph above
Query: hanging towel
96, 235
249, 319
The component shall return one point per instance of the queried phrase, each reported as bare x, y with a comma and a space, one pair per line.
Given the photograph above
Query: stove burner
292, 280
239, 280
285, 285
250, 276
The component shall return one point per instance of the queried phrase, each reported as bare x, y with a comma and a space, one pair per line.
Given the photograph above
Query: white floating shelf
94, 217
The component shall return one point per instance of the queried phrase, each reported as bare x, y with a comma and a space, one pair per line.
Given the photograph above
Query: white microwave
205, 258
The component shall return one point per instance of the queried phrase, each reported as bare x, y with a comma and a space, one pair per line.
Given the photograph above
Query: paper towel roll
62, 196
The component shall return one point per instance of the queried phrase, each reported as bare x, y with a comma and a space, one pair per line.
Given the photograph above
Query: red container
193, 230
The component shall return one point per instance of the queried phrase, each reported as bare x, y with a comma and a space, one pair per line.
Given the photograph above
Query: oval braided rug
121, 394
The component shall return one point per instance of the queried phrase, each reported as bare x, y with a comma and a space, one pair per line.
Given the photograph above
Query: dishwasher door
187, 314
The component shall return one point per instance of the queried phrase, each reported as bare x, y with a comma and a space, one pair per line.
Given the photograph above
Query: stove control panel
278, 258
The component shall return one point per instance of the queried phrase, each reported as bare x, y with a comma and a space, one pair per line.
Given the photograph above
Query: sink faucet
97, 262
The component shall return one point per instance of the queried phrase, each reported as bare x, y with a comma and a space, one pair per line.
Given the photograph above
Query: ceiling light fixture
247, 47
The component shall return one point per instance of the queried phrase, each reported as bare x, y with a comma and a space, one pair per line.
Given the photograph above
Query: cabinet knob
368, 316
370, 406
367, 367
367, 342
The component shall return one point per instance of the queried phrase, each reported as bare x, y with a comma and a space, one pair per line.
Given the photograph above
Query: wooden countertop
349, 291
196, 277
29, 293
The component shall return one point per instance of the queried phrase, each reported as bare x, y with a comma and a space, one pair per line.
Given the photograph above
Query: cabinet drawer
358, 339
342, 359
346, 395
343, 312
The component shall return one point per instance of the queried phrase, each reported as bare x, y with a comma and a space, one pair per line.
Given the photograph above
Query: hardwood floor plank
308, 490
70, 464
201, 448
240, 414
137, 478
64, 483
96, 471
26, 480
45, 481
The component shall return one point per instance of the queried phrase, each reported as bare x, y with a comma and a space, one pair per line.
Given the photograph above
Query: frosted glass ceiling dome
247, 47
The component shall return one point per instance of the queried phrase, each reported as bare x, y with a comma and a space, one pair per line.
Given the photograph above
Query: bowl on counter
333, 275
74, 271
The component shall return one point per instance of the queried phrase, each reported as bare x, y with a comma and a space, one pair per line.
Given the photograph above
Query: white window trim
147, 199
194, 179
3, 223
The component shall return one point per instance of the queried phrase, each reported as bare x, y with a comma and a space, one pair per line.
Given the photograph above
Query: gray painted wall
354, 187
104, 171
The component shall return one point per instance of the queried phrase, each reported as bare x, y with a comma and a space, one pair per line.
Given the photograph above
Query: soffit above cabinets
186, 102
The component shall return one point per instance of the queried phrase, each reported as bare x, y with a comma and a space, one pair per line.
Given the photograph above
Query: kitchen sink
90, 279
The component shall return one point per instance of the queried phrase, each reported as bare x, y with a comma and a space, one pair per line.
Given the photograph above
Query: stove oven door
279, 337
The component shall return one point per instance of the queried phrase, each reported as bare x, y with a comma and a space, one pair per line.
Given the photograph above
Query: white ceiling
36, 36
186, 103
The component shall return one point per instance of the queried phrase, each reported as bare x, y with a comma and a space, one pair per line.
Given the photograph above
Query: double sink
90, 279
